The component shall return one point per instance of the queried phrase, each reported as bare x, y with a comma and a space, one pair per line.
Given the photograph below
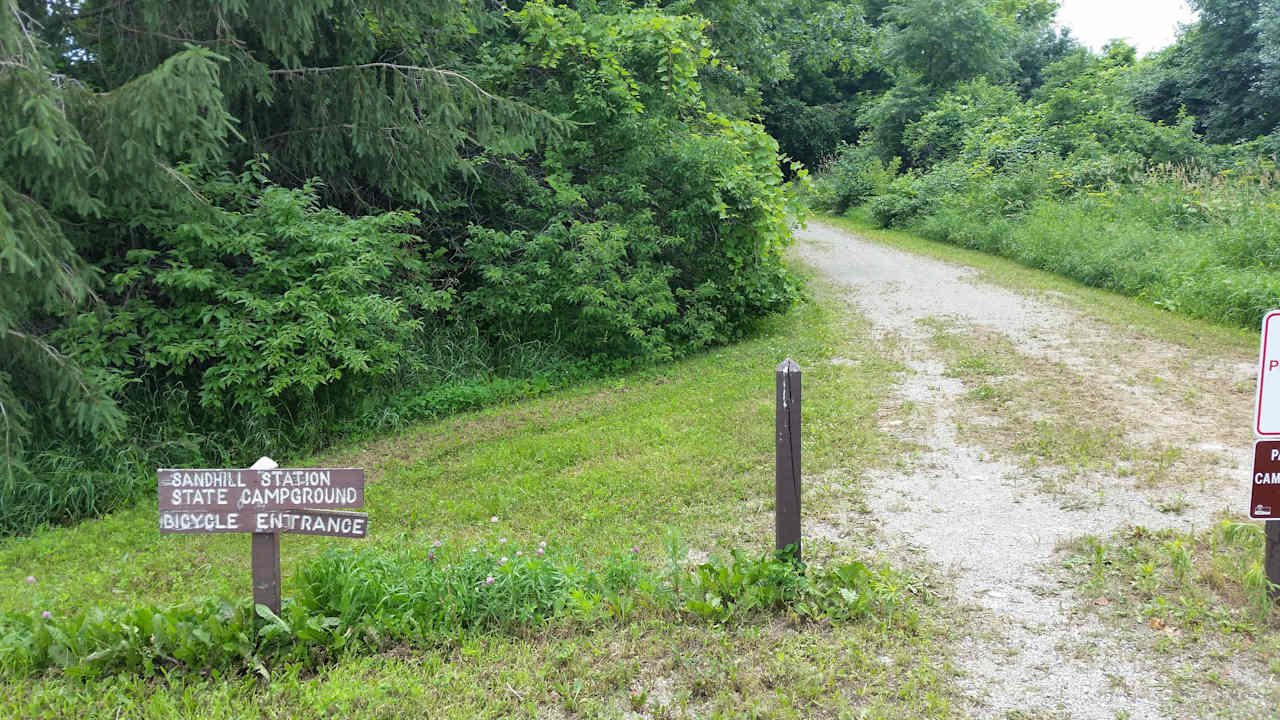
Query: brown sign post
264, 500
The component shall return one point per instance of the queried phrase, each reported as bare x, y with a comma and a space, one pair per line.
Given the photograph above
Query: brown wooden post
266, 570
1273, 557
265, 560
787, 457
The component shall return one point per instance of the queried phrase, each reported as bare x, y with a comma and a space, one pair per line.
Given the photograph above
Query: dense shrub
852, 177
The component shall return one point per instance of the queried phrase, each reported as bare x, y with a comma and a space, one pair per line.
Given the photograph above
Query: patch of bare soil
982, 516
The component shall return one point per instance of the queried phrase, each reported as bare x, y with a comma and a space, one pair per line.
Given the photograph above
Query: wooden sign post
786, 509
266, 501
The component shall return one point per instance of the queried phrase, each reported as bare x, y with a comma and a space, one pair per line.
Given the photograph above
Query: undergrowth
352, 602
455, 370
1193, 583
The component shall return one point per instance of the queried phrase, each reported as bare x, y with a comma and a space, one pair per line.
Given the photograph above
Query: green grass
1203, 592
1204, 582
600, 468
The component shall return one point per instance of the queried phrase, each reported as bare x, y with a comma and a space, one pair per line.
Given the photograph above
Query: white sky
1146, 24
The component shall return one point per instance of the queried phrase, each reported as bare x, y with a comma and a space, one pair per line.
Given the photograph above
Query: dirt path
975, 510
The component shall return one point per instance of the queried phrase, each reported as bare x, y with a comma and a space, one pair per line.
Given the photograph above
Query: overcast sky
1146, 24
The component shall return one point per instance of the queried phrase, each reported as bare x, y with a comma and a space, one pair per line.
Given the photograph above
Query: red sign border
1262, 371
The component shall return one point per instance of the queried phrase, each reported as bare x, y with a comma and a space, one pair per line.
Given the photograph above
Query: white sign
1267, 418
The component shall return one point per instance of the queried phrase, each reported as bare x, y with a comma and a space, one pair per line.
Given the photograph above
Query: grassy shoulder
595, 470
1177, 593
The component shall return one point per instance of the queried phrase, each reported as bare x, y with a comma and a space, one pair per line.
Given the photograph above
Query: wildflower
635, 549
519, 553
435, 544
488, 580
431, 554
46, 614
502, 541
31, 578
542, 544
541, 551
493, 519
503, 561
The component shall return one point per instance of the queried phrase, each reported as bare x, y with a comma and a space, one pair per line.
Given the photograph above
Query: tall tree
69, 158
374, 98
947, 43
1221, 70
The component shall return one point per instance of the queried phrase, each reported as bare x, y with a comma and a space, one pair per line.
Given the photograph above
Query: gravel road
978, 516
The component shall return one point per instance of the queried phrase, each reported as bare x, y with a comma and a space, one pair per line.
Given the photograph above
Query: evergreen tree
71, 157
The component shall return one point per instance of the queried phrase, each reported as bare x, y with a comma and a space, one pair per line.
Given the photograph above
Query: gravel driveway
982, 518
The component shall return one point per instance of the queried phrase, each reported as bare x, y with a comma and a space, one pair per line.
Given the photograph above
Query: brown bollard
787, 457
266, 570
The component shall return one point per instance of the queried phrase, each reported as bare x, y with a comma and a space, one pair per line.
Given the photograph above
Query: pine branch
62, 360
403, 69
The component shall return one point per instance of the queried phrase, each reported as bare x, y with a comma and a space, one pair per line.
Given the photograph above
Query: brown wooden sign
235, 490
1264, 503
333, 523
267, 501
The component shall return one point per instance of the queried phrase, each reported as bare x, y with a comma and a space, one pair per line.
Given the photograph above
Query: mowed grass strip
609, 466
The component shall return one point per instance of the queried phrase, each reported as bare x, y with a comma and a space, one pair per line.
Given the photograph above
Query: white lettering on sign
1267, 417
318, 496
209, 522
295, 478
206, 479
327, 524
186, 496
1266, 478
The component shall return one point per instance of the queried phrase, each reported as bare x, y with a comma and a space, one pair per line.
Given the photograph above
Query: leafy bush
852, 177
656, 229
262, 301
